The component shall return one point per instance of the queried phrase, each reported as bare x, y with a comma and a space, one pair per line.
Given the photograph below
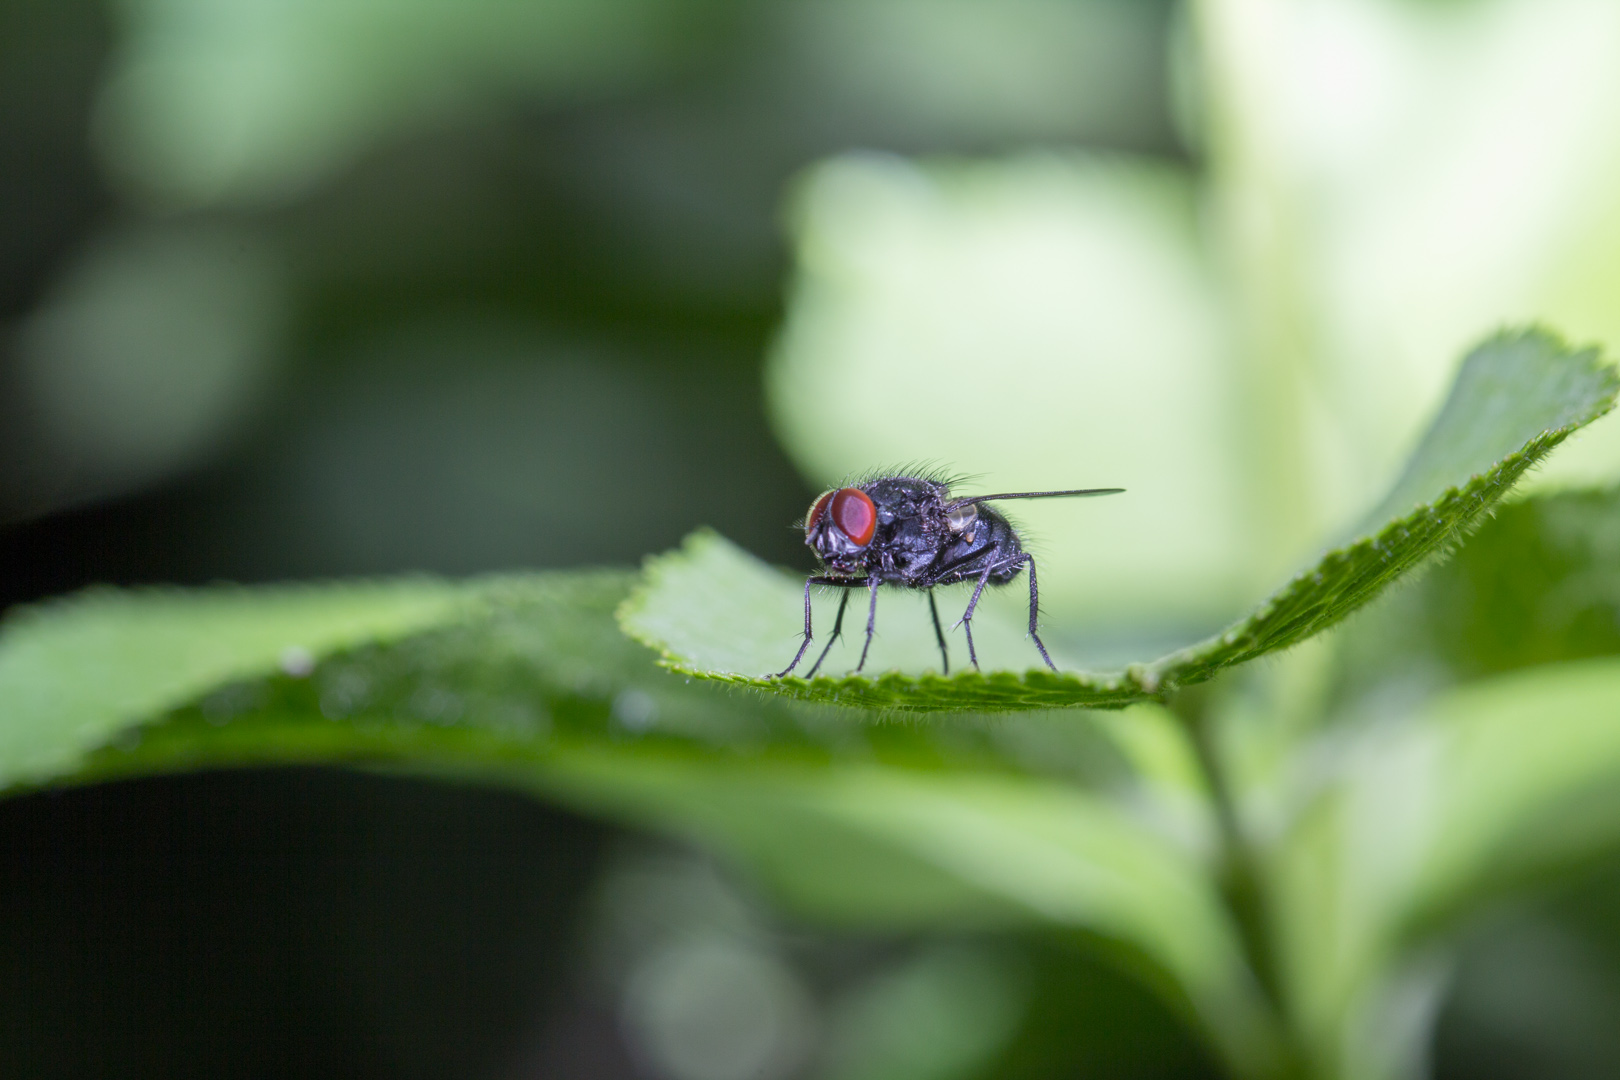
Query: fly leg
1034, 607
871, 624
944, 657
838, 628
805, 642
967, 616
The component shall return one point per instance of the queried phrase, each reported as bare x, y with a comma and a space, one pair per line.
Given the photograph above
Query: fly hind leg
1034, 606
1035, 609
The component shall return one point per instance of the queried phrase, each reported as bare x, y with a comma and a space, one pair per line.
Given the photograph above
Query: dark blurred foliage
1537, 990
315, 923
297, 923
52, 195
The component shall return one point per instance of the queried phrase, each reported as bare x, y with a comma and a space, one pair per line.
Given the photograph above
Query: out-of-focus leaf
973, 73
1394, 178
527, 683
1490, 787
1539, 583
716, 613
140, 362
940, 1016
75, 673
257, 99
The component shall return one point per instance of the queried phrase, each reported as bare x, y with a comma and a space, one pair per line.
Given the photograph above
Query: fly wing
1076, 493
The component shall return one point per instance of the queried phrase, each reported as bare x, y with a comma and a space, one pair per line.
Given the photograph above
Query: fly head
840, 528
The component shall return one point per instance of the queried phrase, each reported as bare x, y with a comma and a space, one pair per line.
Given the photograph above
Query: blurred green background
300, 289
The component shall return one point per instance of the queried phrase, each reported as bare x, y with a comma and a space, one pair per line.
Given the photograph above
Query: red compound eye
853, 512
818, 509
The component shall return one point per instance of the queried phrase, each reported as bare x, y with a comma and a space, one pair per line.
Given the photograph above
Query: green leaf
1525, 390
527, 683
1539, 583
714, 612
75, 672
1487, 789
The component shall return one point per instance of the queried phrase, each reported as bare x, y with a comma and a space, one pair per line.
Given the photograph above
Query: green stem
1241, 875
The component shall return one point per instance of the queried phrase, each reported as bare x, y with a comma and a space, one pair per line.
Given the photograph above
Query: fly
909, 531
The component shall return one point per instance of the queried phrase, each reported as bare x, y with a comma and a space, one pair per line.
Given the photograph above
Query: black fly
908, 531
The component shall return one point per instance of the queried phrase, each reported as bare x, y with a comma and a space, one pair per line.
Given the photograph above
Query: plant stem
1241, 876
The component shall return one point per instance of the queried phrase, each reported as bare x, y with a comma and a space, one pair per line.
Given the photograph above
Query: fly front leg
838, 628
1034, 608
871, 624
804, 643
